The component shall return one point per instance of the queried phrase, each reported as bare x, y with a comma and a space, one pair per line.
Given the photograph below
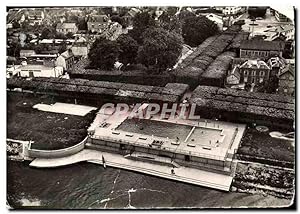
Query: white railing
162, 148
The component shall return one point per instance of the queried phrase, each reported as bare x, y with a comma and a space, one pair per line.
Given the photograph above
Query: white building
231, 10
66, 60
216, 19
39, 71
80, 47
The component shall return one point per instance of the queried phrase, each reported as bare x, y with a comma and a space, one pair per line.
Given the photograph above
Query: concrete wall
36, 153
194, 160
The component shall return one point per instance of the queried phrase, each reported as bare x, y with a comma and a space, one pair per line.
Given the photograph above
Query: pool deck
65, 108
224, 132
182, 174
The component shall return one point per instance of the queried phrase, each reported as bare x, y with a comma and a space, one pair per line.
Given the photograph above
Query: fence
37, 153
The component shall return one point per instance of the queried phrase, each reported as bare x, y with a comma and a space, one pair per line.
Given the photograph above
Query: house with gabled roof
66, 60
66, 28
233, 77
286, 84
97, 23
254, 71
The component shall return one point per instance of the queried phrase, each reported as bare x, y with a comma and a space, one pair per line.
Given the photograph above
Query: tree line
154, 44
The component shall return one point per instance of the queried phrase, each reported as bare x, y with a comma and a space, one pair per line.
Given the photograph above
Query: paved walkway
65, 108
183, 174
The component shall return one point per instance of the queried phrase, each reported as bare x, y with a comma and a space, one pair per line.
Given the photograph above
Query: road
260, 27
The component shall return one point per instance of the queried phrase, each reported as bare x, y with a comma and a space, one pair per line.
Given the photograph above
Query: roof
46, 41
98, 18
67, 54
80, 40
34, 67
27, 51
288, 69
255, 64
252, 103
236, 72
65, 25
36, 13
262, 45
276, 62
215, 18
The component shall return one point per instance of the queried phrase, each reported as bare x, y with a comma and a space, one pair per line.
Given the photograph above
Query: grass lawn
47, 130
261, 144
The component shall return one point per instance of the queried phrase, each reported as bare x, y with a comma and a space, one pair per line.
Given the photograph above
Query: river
90, 186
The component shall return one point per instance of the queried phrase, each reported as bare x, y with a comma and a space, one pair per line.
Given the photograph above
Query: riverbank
87, 185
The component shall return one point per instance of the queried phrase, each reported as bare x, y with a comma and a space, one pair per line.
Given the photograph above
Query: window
253, 73
261, 73
246, 73
261, 80
245, 79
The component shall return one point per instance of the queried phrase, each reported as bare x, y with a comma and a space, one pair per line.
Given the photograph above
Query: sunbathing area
203, 138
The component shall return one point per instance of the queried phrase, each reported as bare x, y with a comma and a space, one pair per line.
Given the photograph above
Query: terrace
204, 138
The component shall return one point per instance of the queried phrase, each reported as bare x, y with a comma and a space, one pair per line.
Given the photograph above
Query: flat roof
206, 138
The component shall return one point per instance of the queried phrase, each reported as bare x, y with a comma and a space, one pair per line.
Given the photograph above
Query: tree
118, 19
69, 35
185, 14
62, 47
82, 24
141, 22
196, 29
103, 53
60, 36
47, 33
128, 49
160, 49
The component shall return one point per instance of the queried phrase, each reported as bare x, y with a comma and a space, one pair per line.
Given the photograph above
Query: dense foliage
128, 49
160, 49
104, 53
196, 29
141, 22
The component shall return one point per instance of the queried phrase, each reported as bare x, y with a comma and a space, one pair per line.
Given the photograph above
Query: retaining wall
37, 153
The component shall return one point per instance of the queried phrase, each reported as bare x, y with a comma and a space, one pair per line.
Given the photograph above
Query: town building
260, 49
36, 17
66, 28
281, 17
27, 53
254, 71
233, 77
218, 20
80, 48
113, 31
38, 71
98, 23
234, 10
284, 32
66, 60
286, 84
276, 65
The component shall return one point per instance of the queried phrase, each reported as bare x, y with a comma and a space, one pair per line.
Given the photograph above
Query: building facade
254, 71
260, 49
66, 60
231, 10
65, 28
39, 71
27, 53
286, 84
97, 23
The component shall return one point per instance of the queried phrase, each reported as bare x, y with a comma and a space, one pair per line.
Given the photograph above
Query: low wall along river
36, 153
